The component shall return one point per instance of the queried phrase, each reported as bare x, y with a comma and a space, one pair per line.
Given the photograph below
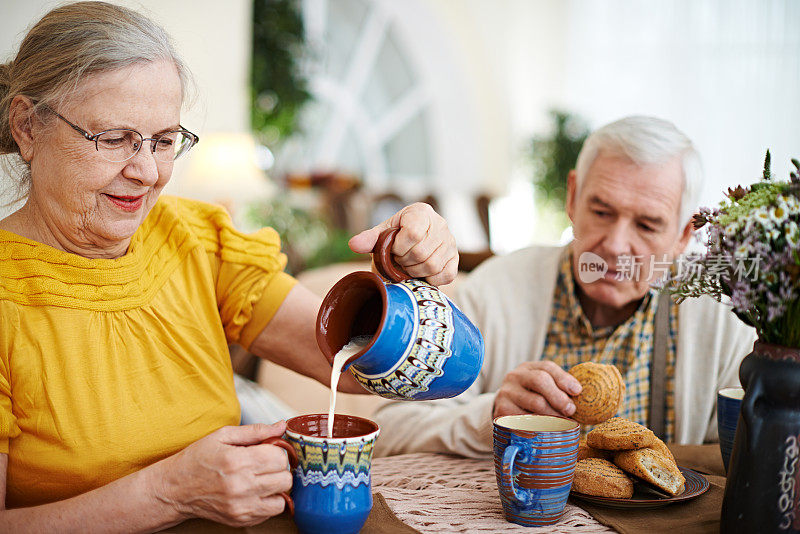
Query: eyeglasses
121, 144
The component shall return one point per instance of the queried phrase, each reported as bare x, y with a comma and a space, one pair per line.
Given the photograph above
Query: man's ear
683, 240
20, 118
572, 185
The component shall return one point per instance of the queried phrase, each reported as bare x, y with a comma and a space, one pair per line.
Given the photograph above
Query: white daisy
742, 251
792, 204
731, 229
761, 215
778, 213
792, 234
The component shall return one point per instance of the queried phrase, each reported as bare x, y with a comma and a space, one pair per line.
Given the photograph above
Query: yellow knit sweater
107, 366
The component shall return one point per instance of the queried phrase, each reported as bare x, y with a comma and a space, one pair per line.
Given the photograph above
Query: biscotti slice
651, 466
596, 476
601, 393
620, 434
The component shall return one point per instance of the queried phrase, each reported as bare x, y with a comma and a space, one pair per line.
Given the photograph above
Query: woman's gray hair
69, 44
645, 141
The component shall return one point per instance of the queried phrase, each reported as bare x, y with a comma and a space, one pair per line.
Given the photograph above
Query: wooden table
442, 493
448, 494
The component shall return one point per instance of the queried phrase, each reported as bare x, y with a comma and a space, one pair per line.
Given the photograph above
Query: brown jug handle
384, 260
293, 461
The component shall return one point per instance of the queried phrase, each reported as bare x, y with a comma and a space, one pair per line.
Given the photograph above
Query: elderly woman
117, 405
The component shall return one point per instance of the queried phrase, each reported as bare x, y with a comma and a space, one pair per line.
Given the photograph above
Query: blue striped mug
534, 460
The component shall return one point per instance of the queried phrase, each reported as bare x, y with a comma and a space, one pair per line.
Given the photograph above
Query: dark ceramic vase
763, 487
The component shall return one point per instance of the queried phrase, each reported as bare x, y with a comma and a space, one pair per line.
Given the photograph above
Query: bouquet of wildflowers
753, 257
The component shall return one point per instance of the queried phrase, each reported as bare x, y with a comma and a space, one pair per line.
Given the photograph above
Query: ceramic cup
534, 460
331, 484
729, 401
421, 346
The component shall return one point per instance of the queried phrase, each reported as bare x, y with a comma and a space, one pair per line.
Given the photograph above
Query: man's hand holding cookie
537, 387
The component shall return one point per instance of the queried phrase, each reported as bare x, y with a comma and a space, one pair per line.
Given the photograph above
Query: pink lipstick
127, 203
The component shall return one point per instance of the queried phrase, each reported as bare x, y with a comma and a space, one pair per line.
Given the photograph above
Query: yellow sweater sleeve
247, 268
8, 422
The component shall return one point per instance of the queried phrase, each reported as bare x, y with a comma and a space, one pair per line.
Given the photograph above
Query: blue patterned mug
534, 460
331, 483
421, 346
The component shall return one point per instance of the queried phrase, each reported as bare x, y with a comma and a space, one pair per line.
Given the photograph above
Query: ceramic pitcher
421, 346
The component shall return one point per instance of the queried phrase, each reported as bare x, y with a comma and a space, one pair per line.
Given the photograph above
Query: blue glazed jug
421, 346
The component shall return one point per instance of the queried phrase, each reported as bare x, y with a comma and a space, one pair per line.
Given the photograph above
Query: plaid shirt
571, 339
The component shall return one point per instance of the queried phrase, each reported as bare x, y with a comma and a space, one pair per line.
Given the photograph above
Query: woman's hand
424, 246
228, 476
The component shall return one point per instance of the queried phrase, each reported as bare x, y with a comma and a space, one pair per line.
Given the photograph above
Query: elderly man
544, 309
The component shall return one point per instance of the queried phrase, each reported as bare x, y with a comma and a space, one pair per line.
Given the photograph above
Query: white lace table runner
440, 493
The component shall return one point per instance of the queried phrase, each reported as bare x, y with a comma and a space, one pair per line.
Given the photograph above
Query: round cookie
601, 395
596, 476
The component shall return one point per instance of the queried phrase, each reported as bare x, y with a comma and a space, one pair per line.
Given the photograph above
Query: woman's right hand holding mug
230, 476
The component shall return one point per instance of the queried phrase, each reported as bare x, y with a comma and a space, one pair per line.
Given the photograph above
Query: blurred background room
322, 117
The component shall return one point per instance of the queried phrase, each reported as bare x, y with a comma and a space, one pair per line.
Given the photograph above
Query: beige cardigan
509, 298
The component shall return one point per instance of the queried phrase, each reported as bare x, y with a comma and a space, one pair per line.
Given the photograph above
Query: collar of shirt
576, 314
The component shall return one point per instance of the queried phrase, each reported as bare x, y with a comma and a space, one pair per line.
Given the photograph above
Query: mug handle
383, 259
507, 467
293, 462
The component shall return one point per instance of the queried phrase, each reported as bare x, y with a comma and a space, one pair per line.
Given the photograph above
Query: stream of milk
354, 346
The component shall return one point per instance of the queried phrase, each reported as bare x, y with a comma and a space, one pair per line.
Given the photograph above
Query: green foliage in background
278, 93
278, 88
555, 155
307, 238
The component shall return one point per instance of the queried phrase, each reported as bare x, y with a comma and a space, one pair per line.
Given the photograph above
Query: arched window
394, 105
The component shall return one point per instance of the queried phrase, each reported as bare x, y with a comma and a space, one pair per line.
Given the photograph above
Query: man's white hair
646, 141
